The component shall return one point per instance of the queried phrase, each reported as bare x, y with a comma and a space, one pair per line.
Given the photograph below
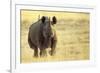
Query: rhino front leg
53, 46
43, 52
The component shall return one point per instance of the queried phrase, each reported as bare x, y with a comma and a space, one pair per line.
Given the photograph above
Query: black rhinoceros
42, 35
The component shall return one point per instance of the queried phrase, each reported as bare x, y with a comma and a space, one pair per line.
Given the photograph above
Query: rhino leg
53, 46
43, 52
36, 52
33, 47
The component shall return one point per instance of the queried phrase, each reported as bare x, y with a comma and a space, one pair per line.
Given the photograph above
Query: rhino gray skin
42, 35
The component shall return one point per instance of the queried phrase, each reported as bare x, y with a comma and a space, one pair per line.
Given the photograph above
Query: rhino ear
54, 20
43, 19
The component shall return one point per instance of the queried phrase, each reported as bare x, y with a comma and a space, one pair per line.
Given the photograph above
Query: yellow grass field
72, 33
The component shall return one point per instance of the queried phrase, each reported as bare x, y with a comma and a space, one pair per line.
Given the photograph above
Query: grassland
72, 33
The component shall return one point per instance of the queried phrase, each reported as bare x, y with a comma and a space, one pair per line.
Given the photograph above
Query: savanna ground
72, 33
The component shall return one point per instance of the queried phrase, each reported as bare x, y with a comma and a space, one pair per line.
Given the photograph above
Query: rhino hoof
35, 55
52, 53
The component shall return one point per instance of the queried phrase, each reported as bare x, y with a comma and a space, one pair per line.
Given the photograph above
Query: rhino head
48, 28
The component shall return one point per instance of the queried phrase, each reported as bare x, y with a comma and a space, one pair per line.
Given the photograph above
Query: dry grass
72, 32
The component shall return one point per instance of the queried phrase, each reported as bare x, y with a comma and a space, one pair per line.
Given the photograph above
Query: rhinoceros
42, 35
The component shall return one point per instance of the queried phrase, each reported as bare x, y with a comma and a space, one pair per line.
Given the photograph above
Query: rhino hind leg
32, 46
36, 52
